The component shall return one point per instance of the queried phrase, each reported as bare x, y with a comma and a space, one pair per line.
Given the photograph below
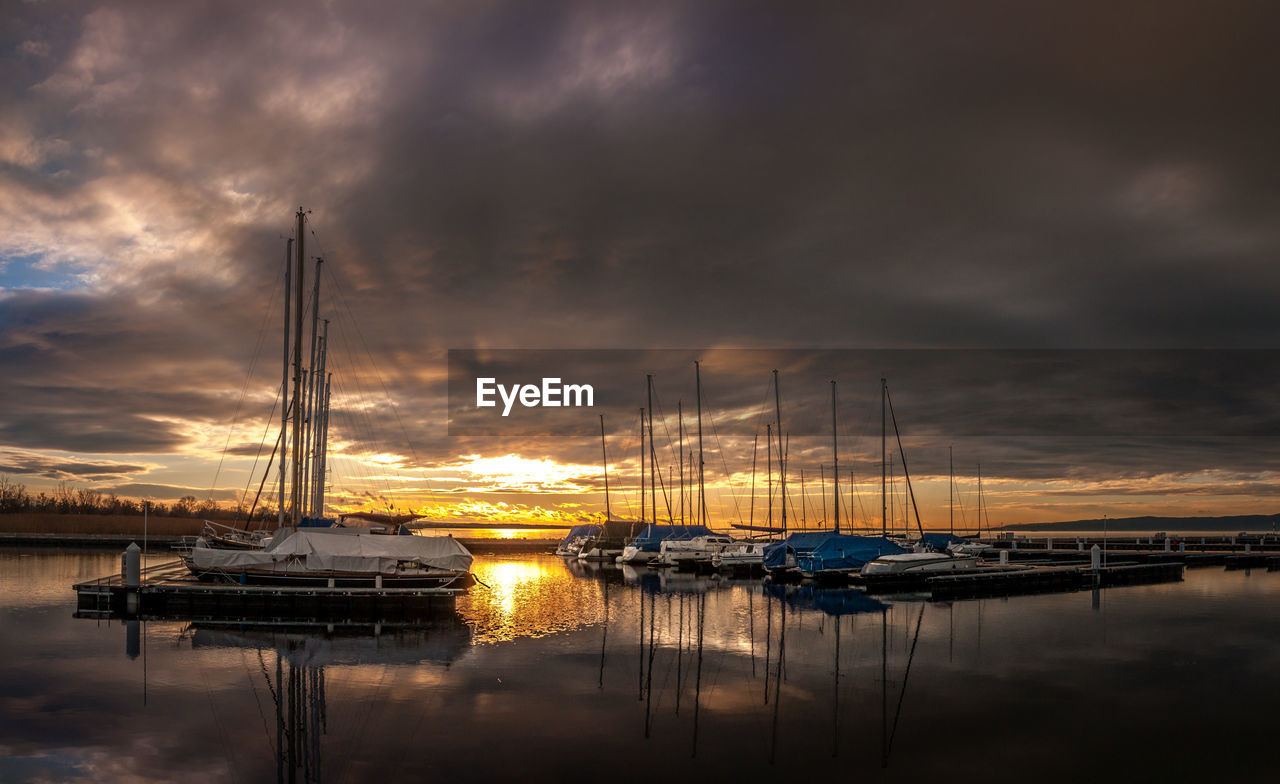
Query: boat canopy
616, 533
845, 552
590, 529
775, 553
651, 538
939, 542
339, 550
317, 522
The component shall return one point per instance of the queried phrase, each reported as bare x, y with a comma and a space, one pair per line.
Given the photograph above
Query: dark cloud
605, 174
16, 462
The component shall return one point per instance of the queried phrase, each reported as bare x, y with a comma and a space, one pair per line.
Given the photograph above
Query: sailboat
924, 558
697, 551
307, 549
828, 554
647, 547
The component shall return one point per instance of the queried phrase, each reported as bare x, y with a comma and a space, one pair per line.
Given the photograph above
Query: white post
1004, 557
1048, 544
1167, 544
1095, 558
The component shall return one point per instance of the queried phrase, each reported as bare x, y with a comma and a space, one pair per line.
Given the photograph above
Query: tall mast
317, 449
284, 377
653, 484
642, 465
884, 519
604, 460
296, 494
680, 452
894, 488
324, 445
782, 461
702, 471
308, 468
835, 450
951, 492
755, 441
768, 461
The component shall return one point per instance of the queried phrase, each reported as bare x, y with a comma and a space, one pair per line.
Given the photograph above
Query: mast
835, 450
324, 445
653, 484
296, 494
321, 393
768, 461
284, 379
702, 468
642, 465
979, 499
604, 460
308, 469
755, 442
680, 452
782, 461
884, 520
951, 492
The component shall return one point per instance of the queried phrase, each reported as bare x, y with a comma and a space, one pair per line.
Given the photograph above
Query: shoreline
164, 542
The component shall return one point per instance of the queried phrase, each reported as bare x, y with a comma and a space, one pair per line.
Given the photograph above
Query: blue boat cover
775, 554
845, 552
589, 529
652, 536
317, 522
939, 542
831, 601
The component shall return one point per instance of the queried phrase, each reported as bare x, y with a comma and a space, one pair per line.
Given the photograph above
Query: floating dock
1009, 581
169, 591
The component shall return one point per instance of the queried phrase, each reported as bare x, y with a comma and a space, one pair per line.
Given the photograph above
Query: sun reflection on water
523, 596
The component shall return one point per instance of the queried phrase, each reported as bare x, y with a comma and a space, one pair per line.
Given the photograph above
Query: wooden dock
169, 591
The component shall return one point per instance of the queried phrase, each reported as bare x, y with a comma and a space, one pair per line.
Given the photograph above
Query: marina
731, 676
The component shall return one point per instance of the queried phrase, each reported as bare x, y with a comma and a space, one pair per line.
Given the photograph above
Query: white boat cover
320, 550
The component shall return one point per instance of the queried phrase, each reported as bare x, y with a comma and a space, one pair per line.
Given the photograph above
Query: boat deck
169, 590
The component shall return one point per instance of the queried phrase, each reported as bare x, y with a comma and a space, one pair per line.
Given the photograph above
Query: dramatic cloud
587, 175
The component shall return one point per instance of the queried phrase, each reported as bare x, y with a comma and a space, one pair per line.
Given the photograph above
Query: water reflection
558, 668
303, 656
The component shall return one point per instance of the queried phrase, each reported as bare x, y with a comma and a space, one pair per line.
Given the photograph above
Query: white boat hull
912, 563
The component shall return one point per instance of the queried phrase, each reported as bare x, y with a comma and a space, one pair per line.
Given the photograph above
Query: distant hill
1233, 523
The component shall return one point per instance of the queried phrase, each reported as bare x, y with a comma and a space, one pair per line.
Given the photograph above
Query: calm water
557, 672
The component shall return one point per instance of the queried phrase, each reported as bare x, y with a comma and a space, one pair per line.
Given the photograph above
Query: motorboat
571, 544
648, 545
740, 557
689, 553
902, 563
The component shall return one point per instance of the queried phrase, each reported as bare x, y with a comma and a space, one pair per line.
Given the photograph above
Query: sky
598, 175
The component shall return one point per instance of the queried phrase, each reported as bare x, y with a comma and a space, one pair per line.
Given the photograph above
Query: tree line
62, 499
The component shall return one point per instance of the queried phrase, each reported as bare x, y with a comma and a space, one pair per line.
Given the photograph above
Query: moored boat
901, 563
